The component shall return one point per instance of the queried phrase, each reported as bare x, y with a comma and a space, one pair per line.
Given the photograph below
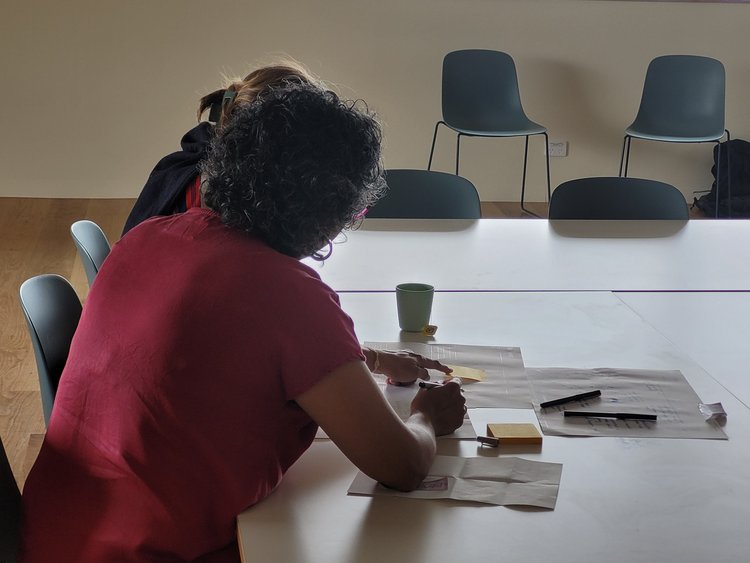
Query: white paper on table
489, 480
665, 393
506, 385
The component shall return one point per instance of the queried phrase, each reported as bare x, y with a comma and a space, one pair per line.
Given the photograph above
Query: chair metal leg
718, 178
729, 176
622, 155
546, 151
523, 180
458, 150
625, 157
432, 149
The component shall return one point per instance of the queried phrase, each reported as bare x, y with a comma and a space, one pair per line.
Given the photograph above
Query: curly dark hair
295, 167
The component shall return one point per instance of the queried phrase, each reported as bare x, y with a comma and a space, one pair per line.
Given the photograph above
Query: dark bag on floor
737, 169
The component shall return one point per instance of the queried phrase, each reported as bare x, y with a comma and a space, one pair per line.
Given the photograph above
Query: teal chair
682, 102
10, 510
52, 311
92, 245
617, 198
423, 194
481, 99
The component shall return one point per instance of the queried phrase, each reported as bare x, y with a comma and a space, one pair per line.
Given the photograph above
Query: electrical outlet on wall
557, 148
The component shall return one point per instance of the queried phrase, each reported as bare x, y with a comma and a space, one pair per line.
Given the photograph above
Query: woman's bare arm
350, 408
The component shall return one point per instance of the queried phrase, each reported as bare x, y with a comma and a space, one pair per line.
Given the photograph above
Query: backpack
737, 169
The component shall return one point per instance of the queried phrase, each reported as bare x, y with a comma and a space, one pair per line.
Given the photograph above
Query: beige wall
96, 91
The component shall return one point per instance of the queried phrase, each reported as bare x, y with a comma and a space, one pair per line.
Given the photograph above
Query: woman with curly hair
207, 354
174, 186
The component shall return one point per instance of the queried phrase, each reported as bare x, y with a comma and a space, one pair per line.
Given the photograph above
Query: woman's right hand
444, 406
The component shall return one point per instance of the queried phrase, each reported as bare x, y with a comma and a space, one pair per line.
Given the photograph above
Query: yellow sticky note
429, 330
467, 373
522, 433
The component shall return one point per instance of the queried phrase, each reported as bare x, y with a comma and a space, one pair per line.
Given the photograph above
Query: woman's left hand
404, 367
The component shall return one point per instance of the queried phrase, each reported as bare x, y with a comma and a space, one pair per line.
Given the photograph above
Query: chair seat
514, 129
673, 136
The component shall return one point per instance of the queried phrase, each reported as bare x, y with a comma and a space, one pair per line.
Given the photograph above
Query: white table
512, 254
712, 328
620, 501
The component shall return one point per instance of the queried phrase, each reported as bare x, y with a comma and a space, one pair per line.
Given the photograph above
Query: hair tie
228, 96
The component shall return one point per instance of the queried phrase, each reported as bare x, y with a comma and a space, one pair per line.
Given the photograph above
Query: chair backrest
52, 311
617, 198
480, 91
422, 194
683, 97
92, 244
10, 510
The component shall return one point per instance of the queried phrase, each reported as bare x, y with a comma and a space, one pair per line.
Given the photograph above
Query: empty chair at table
52, 311
423, 194
682, 102
617, 198
92, 244
480, 98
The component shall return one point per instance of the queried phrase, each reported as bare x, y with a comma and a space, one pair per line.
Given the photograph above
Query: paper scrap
714, 412
489, 480
467, 373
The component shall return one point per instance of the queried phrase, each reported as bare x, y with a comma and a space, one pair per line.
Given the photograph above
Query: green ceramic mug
414, 303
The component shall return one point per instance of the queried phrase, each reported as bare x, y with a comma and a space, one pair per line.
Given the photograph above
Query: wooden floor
35, 239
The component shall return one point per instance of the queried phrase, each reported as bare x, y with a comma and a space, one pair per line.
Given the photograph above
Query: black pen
431, 385
620, 415
563, 400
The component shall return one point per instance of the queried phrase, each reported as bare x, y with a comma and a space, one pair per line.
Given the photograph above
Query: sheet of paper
505, 385
665, 393
488, 480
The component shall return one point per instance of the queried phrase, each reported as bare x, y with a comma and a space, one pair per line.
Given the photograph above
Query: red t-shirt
176, 408
193, 193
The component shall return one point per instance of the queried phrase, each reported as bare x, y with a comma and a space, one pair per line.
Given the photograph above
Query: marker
431, 384
620, 415
579, 397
